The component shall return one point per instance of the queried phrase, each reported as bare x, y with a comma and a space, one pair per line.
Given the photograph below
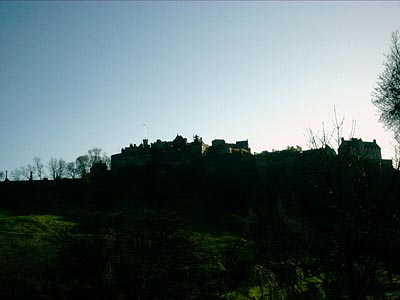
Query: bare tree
61, 168
27, 171
386, 96
107, 160
82, 165
52, 166
39, 167
71, 170
23, 172
396, 158
329, 137
95, 155
16, 174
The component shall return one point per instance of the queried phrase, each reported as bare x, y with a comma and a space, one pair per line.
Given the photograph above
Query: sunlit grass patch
34, 224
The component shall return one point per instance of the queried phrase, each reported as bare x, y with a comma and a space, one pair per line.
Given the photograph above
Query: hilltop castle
173, 152
179, 151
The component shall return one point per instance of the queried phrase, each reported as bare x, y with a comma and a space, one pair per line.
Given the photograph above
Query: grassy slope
33, 224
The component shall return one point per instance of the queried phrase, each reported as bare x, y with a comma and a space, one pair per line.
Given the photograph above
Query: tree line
57, 168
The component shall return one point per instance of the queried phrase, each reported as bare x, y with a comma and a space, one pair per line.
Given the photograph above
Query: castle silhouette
179, 151
174, 152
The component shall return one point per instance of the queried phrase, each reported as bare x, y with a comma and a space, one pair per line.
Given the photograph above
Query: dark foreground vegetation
292, 226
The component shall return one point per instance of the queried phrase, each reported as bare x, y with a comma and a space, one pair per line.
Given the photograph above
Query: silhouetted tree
386, 95
61, 168
96, 155
82, 165
329, 137
2, 175
38, 166
107, 160
16, 174
71, 171
52, 166
56, 167
26, 171
396, 157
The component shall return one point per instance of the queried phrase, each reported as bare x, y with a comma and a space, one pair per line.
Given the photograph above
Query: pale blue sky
77, 75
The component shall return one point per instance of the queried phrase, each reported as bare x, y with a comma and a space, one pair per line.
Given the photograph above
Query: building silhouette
360, 150
172, 153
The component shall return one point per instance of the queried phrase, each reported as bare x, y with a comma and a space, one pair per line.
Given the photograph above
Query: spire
6, 176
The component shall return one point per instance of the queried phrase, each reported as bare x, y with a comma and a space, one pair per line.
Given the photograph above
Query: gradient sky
78, 75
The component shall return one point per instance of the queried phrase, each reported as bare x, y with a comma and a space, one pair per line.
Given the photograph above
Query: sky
78, 75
